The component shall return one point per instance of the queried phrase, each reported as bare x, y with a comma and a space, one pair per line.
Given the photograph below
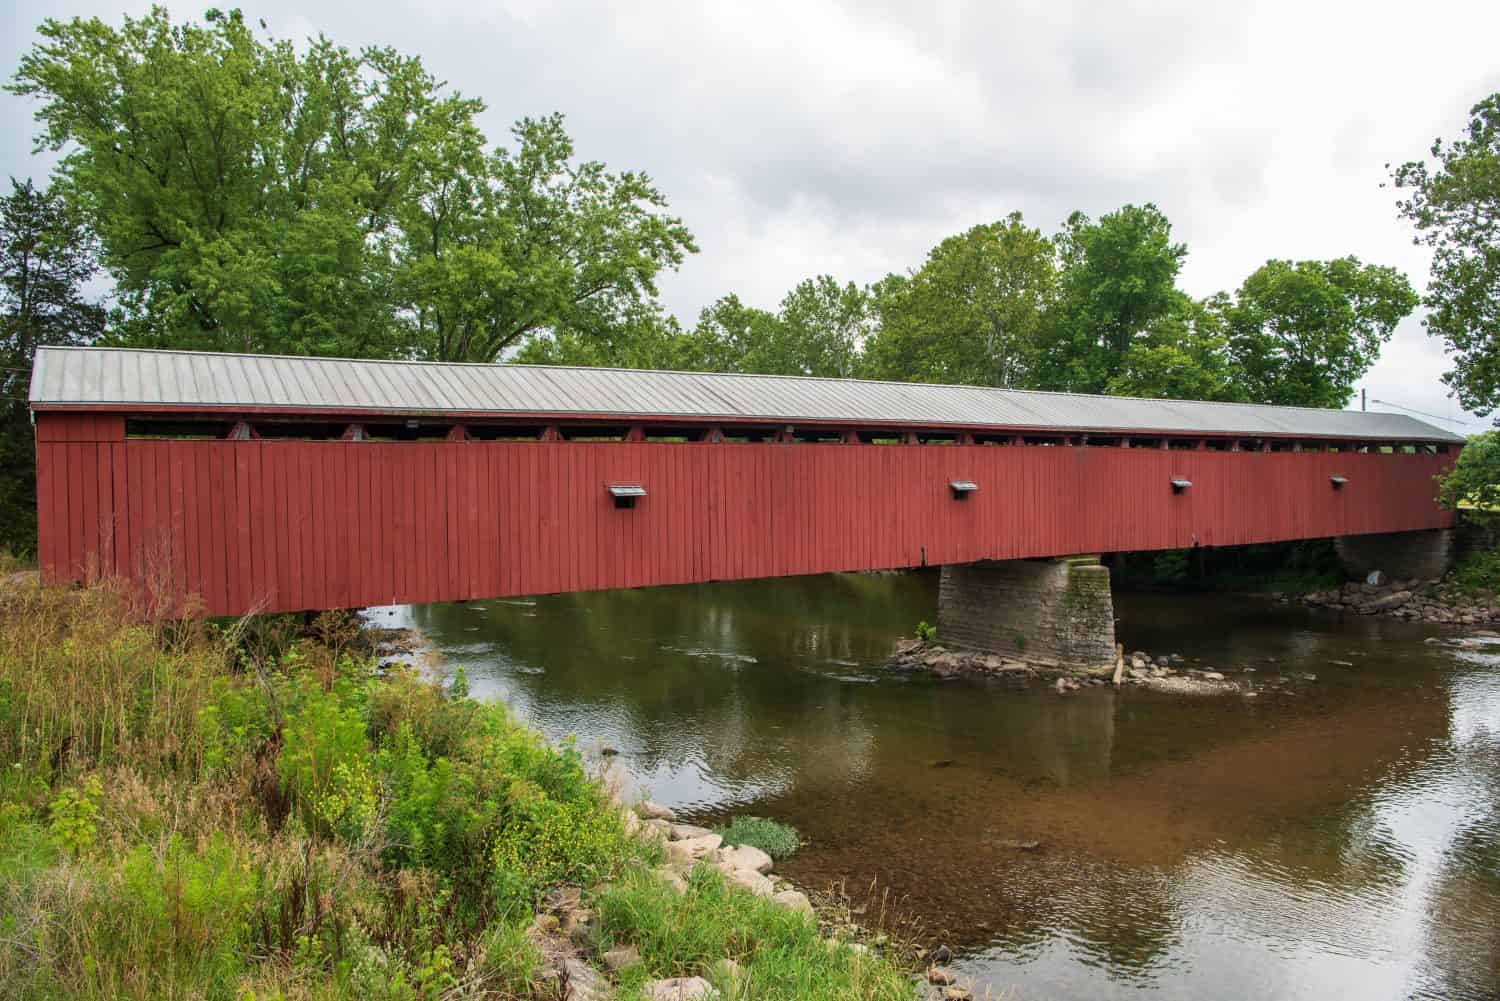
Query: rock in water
655, 811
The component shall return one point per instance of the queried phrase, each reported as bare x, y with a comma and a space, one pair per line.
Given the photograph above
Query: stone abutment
1036, 610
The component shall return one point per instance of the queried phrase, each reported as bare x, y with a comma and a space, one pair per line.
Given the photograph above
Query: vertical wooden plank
528, 462
84, 465
300, 514
104, 464
184, 549
273, 524
515, 499
479, 563
377, 524
492, 517
51, 509
146, 483
236, 573
134, 493
303, 456
210, 516
398, 476
368, 519
575, 485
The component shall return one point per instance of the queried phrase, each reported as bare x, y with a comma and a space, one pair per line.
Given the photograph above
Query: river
1338, 841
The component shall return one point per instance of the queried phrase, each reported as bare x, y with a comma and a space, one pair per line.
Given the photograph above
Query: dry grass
83, 682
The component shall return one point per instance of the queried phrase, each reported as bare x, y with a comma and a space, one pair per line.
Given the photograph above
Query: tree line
221, 189
1094, 308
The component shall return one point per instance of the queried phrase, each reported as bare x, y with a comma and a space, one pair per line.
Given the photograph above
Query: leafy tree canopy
250, 197
1455, 205
1475, 477
1303, 333
1182, 355
971, 314
1119, 277
832, 321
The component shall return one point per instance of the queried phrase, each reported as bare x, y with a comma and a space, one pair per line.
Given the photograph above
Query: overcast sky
799, 138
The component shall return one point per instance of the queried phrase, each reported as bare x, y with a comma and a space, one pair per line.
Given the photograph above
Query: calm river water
1340, 843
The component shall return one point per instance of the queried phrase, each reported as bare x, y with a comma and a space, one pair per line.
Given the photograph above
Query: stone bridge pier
1038, 610
1422, 555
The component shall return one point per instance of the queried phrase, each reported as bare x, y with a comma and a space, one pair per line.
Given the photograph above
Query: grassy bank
247, 812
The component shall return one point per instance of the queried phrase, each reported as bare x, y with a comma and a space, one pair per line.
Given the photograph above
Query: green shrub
185, 908
237, 720
1474, 480
1479, 571
781, 954
324, 755
776, 840
547, 840
145, 925
75, 816
145, 848
511, 958
926, 631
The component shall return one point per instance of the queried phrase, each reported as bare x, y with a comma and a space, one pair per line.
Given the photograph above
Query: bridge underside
282, 525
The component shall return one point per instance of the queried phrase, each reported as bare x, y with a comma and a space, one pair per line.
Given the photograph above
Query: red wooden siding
279, 525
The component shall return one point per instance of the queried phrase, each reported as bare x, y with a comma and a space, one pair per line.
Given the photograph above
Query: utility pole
1361, 400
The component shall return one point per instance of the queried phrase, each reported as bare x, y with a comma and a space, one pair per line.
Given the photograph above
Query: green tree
972, 313
646, 338
1119, 278
46, 263
250, 196
830, 322
496, 250
239, 191
1183, 355
1475, 477
1303, 333
733, 337
1455, 206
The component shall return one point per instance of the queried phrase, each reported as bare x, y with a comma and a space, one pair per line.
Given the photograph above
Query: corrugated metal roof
127, 379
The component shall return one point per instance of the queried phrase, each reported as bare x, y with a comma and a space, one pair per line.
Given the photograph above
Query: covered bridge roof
139, 381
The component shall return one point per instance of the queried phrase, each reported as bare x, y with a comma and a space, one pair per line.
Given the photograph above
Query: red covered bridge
257, 483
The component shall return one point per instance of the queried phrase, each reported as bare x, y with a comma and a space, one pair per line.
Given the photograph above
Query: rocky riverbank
564, 931
581, 958
1169, 673
1436, 601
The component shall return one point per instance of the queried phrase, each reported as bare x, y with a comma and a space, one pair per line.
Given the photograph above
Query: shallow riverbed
1342, 842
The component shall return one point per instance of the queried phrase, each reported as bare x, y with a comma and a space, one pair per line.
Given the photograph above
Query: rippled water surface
1339, 842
